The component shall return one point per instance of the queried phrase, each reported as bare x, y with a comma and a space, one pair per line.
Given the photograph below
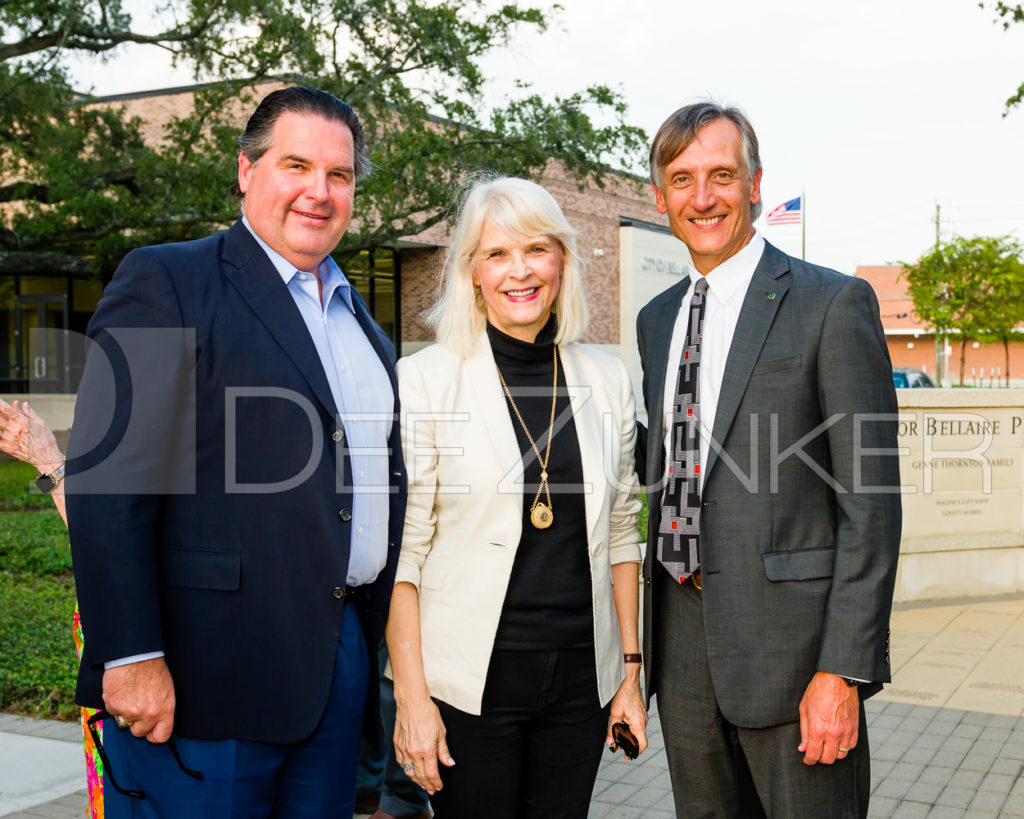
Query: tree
970, 288
1001, 314
82, 186
1007, 15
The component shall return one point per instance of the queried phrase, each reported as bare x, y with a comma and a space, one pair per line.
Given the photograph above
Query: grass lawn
37, 600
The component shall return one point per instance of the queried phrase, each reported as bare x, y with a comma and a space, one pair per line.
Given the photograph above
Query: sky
879, 109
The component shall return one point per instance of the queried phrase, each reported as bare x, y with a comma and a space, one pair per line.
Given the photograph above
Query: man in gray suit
772, 476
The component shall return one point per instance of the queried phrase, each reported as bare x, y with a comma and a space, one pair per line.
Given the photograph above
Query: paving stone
994, 734
966, 779
916, 724
908, 771
620, 793
50, 811
945, 812
924, 792
937, 775
898, 708
890, 721
958, 744
976, 718
1010, 767
911, 810
893, 788
929, 741
977, 762
987, 800
1014, 805
948, 759
881, 807
919, 755
965, 729
1000, 783
649, 796
955, 797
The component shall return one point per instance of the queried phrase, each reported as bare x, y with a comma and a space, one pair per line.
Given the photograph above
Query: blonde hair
518, 207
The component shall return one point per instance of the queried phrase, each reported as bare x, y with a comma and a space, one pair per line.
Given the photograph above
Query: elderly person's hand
628, 707
25, 436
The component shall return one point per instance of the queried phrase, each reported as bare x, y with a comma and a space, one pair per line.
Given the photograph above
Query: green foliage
971, 288
1007, 15
87, 187
17, 482
37, 599
35, 543
37, 653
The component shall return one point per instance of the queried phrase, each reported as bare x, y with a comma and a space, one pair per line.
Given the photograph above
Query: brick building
629, 254
912, 343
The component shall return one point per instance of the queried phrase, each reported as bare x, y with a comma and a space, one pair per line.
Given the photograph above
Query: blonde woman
513, 626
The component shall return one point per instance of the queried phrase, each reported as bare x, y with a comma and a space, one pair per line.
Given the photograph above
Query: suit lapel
767, 289
659, 340
490, 398
260, 285
589, 412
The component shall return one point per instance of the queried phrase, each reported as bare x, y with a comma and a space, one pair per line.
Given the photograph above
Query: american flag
787, 213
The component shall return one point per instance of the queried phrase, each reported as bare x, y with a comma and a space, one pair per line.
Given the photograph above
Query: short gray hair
518, 207
681, 128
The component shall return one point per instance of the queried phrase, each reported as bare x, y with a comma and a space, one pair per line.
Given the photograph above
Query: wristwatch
851, 682
48, 481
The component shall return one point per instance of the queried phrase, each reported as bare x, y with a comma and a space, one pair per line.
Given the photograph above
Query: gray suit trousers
723, 770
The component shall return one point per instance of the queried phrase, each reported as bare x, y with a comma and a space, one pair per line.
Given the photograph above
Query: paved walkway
947, 737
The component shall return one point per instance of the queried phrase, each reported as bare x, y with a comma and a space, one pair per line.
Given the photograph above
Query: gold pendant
541, 516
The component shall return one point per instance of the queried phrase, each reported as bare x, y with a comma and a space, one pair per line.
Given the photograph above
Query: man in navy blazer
236, 495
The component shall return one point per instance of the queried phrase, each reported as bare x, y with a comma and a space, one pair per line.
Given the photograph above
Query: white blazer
464, 517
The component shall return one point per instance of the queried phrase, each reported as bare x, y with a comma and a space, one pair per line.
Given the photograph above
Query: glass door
41, 343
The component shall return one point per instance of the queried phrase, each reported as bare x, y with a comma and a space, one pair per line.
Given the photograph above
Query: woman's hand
628, 707
420, 742
25, 436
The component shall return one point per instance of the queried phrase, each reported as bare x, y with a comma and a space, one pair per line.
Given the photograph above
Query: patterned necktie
679, 529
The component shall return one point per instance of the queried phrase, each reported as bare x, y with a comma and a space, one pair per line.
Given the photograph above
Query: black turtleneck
549, 600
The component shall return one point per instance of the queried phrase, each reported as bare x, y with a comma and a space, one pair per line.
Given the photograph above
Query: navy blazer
209, 499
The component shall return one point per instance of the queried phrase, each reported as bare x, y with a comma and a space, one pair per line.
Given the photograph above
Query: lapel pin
771, 296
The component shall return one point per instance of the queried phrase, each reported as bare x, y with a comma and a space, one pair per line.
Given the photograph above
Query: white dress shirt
727, 287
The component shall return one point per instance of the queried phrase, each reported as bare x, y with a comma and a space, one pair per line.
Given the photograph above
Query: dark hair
298, 99
680, 129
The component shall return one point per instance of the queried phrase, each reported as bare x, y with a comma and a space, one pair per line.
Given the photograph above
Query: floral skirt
93, 763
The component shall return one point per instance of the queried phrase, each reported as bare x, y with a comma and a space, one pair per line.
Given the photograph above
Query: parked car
909, 378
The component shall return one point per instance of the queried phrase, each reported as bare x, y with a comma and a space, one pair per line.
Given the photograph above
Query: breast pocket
776, 365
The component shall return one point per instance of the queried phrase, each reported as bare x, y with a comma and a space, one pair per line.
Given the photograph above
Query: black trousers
535, 748
725, 771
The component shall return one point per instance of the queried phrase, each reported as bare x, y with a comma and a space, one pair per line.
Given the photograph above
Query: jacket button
345, 514
338, 592
596, 548
338, 435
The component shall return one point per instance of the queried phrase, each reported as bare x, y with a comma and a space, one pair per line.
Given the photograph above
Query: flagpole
803, 225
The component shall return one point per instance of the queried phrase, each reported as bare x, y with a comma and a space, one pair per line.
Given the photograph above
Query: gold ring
121, 721
845, 750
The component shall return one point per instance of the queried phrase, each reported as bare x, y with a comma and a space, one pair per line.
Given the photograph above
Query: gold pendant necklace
541, 514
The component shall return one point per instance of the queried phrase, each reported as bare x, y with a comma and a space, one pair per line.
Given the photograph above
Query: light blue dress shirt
363, 395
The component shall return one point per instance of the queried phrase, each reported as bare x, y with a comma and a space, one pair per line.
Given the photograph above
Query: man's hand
829, 719
143, 694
